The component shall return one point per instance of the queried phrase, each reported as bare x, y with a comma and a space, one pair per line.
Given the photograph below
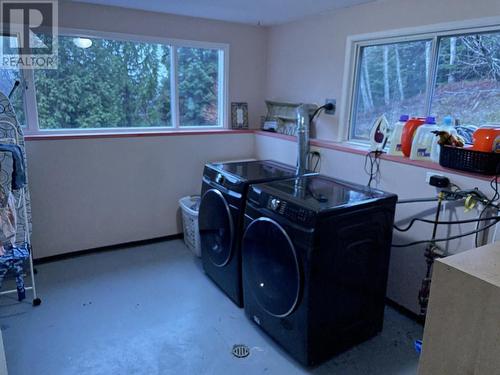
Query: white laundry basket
189, 206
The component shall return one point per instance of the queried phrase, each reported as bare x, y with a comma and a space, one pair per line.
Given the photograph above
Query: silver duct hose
302, 148
302, 139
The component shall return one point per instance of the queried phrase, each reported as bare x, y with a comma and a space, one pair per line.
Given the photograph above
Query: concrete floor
151, 310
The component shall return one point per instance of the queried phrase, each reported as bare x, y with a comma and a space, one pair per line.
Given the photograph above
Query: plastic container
447, 126
408, 134
395, 138
421, 147
487, 138
190, 206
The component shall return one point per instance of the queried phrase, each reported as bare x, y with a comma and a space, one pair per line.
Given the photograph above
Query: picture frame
239, 115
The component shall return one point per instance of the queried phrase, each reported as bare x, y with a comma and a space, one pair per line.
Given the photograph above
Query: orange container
408, 134
486, 139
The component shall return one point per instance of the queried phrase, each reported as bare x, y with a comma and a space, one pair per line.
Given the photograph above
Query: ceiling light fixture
82, 42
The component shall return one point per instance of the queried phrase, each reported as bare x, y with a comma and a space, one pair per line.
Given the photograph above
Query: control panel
289, 210
219, 178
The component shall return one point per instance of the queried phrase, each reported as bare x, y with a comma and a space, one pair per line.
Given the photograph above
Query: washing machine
315, 256
220, 218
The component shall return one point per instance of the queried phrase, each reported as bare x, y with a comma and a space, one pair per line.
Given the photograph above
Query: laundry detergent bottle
421, 147
409, 131
395, 138
448, 127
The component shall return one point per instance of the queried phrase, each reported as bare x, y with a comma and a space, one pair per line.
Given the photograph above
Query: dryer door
271, 268
216, 228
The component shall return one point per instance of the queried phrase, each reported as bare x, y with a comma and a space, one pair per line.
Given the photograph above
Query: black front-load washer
220, 218
315, 257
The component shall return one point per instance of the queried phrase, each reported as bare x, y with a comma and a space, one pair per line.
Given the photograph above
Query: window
115, 84
440, 74
468, 78
110, 84
392, 79
198, 86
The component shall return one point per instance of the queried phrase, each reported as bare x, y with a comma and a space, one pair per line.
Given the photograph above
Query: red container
408, 134
487, 138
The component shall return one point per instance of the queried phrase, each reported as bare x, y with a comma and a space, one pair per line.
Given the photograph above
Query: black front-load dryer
315, 257
224, 192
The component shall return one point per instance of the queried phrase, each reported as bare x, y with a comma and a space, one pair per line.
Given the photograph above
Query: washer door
216, 228
271, 268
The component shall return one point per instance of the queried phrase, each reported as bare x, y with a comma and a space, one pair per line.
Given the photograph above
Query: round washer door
216, 228
271, 268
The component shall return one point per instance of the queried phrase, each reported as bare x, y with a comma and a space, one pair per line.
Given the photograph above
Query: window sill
360, 150
42, 136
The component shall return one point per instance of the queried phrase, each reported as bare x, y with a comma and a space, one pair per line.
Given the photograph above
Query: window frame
32, 125
433, 33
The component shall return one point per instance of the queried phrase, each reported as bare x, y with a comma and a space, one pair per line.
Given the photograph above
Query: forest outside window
115, 84
441, 75
107, 84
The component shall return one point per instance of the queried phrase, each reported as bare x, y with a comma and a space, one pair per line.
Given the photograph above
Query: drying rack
12, 133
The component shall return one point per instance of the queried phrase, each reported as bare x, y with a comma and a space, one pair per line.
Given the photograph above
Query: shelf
361, 150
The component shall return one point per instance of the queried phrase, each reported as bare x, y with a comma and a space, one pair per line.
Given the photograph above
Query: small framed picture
239, 115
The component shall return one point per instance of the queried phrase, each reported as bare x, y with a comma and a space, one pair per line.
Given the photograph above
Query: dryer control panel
289, 210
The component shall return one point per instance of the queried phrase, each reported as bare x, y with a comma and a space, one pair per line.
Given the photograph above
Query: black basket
469, 160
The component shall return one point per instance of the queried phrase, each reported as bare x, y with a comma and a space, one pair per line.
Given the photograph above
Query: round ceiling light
82, 42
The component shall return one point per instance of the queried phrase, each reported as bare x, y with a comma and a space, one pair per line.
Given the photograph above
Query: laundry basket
189, 206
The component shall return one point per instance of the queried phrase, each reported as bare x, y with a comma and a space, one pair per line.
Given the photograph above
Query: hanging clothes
18, 167
8, 220
13, 259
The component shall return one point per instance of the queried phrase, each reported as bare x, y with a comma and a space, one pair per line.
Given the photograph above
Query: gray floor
151, 310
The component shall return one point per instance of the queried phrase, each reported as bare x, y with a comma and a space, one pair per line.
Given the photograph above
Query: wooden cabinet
462, 331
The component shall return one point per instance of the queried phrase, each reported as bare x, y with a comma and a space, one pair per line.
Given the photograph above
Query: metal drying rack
12, 134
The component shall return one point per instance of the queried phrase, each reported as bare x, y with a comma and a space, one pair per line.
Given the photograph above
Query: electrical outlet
334, 102
314, 150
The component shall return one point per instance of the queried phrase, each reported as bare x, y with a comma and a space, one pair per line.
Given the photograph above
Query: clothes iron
379, 134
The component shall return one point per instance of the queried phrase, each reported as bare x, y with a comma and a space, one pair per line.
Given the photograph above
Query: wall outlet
334, 102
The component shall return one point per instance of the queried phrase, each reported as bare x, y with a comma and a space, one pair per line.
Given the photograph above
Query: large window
440, 74
198, 86
392, 79
113, 84
468, 78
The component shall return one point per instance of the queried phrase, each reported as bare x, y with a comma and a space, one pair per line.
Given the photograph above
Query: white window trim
429, 32
32, 127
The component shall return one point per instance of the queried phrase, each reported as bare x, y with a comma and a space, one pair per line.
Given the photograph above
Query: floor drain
241, 351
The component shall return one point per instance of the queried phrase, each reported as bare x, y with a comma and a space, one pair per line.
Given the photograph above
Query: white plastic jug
421, 147
447, 126
395, 138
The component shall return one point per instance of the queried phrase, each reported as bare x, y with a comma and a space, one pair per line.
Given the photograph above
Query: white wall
306, 58
89, 193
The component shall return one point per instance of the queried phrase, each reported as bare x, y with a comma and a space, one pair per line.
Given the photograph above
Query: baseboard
74, 254
405, 311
